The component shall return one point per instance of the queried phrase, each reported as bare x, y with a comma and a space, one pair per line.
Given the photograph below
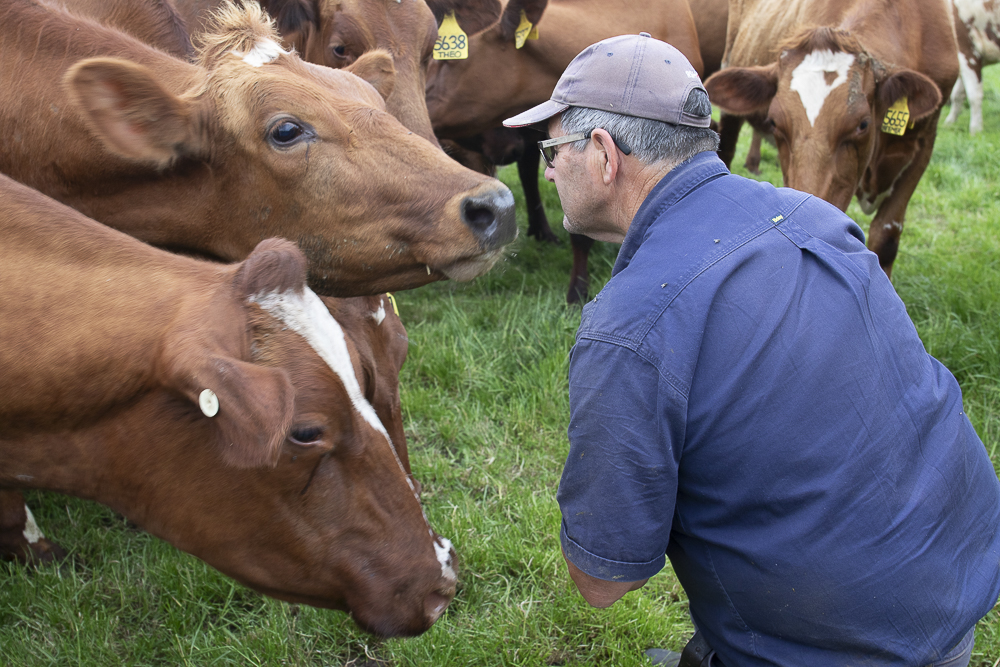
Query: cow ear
377, 68
511, 18
124, 105
743, 91
922, 94
474, 16
296, 20
275, 265
251, 407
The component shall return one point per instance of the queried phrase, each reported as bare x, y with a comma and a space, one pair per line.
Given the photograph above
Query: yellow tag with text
452, 43
896, 118
525, 31
392, 300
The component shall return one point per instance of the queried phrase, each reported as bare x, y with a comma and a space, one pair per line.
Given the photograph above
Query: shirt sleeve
619, 485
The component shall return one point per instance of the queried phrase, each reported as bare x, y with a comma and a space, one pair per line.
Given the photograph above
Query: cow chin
467, 269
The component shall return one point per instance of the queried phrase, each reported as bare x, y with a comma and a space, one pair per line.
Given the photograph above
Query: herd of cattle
248, 413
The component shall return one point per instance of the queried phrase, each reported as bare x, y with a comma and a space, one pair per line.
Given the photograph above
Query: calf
827, 92
977, 27
222, 408
247, 143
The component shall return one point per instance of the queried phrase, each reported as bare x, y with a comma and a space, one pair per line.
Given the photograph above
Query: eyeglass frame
570, 138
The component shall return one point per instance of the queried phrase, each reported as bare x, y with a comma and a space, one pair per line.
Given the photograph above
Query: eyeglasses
548, 147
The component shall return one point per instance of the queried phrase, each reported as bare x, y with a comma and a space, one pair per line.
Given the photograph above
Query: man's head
631, 96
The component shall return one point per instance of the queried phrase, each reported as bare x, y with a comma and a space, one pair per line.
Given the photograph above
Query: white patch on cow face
379, 314
265, 51
809, 79
31, 530
308, 316
442, 548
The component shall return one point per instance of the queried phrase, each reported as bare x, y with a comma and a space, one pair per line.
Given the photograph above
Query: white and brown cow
247, 143
821, 77
224, 408
977, 27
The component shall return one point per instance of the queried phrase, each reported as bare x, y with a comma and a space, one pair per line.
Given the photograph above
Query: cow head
269, 145
824, 101
337, 34
459, 99
307, 499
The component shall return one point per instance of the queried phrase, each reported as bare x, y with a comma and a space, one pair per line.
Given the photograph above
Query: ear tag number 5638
452, 43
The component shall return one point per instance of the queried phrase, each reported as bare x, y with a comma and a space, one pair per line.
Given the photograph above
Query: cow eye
306, 435
286, 132
340, 51
863, 125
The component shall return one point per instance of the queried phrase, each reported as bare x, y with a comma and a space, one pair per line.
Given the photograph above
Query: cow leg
752, 163
579, 280
972, 79
20, 538
729, 134
538, 223
887, 225
957, 99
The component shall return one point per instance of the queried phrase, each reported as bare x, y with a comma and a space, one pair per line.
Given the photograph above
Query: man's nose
549, 174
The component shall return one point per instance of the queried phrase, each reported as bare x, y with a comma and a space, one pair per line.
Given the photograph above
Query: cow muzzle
489, 215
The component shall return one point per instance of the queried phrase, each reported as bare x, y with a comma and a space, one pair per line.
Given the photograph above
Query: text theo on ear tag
897, 117
525, 31
452, 43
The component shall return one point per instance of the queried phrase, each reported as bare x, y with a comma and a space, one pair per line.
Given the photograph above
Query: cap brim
534, 115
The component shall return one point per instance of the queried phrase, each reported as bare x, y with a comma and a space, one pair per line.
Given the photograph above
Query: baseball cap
634, 75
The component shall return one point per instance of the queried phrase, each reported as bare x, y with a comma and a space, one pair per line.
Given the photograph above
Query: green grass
484, 394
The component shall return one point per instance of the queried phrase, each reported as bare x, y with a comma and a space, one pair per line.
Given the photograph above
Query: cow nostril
435, 604
478, 216
490, 217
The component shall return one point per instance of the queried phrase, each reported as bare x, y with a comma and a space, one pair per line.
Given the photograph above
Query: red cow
223, 408
247, 143
827, 92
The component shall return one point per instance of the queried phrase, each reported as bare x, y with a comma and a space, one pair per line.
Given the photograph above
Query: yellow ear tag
452, 43
896, 117
392, 300
525, 31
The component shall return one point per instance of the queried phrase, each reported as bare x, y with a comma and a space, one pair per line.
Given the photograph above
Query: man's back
773, 408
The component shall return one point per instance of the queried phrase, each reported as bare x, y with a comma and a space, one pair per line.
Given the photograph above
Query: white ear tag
208, 402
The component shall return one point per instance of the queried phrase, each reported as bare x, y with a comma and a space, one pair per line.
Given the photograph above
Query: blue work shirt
749, 397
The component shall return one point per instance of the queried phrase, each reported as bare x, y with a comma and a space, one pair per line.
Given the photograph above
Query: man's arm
598, 592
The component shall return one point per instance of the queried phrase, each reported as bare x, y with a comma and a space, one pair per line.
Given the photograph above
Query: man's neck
638, 187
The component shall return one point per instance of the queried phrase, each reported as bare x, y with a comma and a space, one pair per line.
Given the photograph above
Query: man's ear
127, 109
742, 91
473, 16
609, 155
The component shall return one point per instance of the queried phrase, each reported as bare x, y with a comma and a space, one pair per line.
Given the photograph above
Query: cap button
644, 34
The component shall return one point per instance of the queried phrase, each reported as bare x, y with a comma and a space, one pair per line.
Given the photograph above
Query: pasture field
484, 397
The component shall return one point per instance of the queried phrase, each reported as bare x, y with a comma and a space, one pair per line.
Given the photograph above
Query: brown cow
248, 143
153, 22
825, 92
469, 98
222, 408
336, 33
977, 27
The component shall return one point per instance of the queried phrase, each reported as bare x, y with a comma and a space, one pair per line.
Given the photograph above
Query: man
749, 398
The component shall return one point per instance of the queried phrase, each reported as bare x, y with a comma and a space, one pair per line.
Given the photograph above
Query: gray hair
651, 141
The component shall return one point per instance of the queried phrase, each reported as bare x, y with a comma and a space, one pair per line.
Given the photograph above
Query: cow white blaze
32, 533
307, 315
819, 73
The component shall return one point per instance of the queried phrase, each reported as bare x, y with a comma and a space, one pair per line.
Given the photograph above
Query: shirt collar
677, 184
